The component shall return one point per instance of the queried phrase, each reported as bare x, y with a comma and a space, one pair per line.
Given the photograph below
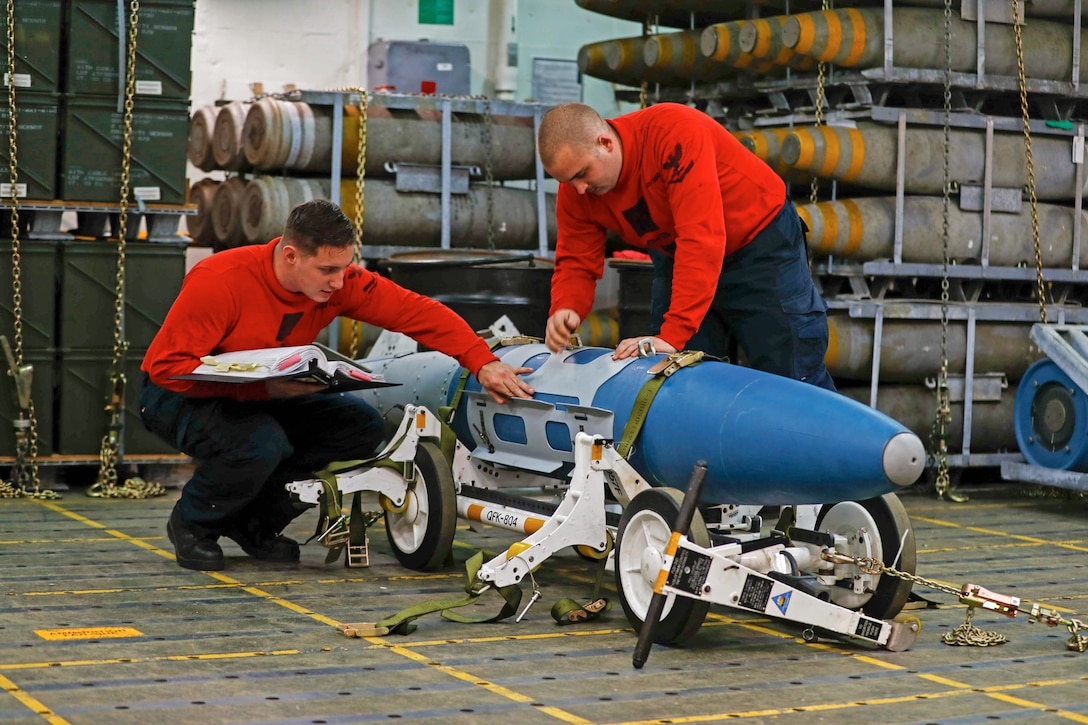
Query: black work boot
263, 545
194, 545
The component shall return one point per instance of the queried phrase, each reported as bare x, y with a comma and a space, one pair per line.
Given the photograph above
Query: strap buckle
358, 555
519, 340
336, 533
975, 596
674, 361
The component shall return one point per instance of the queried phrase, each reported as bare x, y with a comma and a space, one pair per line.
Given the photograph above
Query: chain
106, 485
360, 205
943, 420
821, 101
25, 468
966, 633
1040, 287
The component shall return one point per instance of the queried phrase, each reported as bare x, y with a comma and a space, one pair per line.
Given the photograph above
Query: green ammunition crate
37, 40
83, 384
91, 143
37, 283
37, 141
88, 273
164, 41
42, 393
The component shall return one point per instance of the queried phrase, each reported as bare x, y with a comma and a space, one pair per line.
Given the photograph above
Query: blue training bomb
766, 439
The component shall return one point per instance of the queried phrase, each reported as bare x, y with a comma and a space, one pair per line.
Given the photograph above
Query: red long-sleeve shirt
232, 301
687, 188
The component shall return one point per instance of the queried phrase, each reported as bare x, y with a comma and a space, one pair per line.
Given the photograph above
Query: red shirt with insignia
232, 301
687, 188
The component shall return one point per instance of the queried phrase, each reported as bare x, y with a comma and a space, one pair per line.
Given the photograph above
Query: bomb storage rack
448, 178
773, 87
984, 294
421, 154
755, 67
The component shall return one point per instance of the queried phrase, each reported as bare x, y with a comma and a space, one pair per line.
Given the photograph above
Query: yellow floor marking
239, 585
1017, 545
944, 681
937, 506
993, 692
504, 692
90, 540
1003, 534
140, 660
408, 653
179, 588
69, 633
39, 709
1035, 705
489, 686
382, 643
102, 527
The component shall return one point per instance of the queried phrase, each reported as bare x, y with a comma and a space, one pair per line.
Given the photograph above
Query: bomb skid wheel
421, 531
644, 533
878, 528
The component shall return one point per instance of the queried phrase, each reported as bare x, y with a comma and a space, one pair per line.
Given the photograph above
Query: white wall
320, 44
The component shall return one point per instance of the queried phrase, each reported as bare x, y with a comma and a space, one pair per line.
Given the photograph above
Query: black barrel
636, 282
480, 286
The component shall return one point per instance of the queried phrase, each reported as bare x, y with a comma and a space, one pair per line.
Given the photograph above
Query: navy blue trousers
766, 299
246, 452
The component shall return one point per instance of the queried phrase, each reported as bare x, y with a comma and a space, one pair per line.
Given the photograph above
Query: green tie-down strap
336, 528
663, 369
568, 611
401, 622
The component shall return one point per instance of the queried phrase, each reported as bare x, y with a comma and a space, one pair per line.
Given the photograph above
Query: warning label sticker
756, 593
689, 571
868, 628
87, 633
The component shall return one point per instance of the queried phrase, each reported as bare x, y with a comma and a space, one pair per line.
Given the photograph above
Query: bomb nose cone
904, 458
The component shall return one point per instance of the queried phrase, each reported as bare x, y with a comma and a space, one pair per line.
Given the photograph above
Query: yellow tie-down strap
659, 372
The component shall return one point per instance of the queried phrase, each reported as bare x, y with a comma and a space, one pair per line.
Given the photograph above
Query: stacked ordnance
721, 42
279, 153
877, 216
885, 233
241, 211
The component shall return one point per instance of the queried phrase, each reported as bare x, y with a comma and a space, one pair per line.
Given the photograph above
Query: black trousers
246, 452
766, 299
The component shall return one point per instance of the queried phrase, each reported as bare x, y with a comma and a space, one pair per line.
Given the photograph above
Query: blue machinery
551, 469
1051, 411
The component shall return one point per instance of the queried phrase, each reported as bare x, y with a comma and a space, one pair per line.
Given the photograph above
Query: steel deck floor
256, 643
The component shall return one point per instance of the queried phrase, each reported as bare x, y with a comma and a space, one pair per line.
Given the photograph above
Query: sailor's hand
502, 382
561, 326
629, 347
290, 387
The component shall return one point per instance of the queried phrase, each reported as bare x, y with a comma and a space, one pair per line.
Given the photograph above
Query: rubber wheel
644, 533
421, 535
880, 528
590, 554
